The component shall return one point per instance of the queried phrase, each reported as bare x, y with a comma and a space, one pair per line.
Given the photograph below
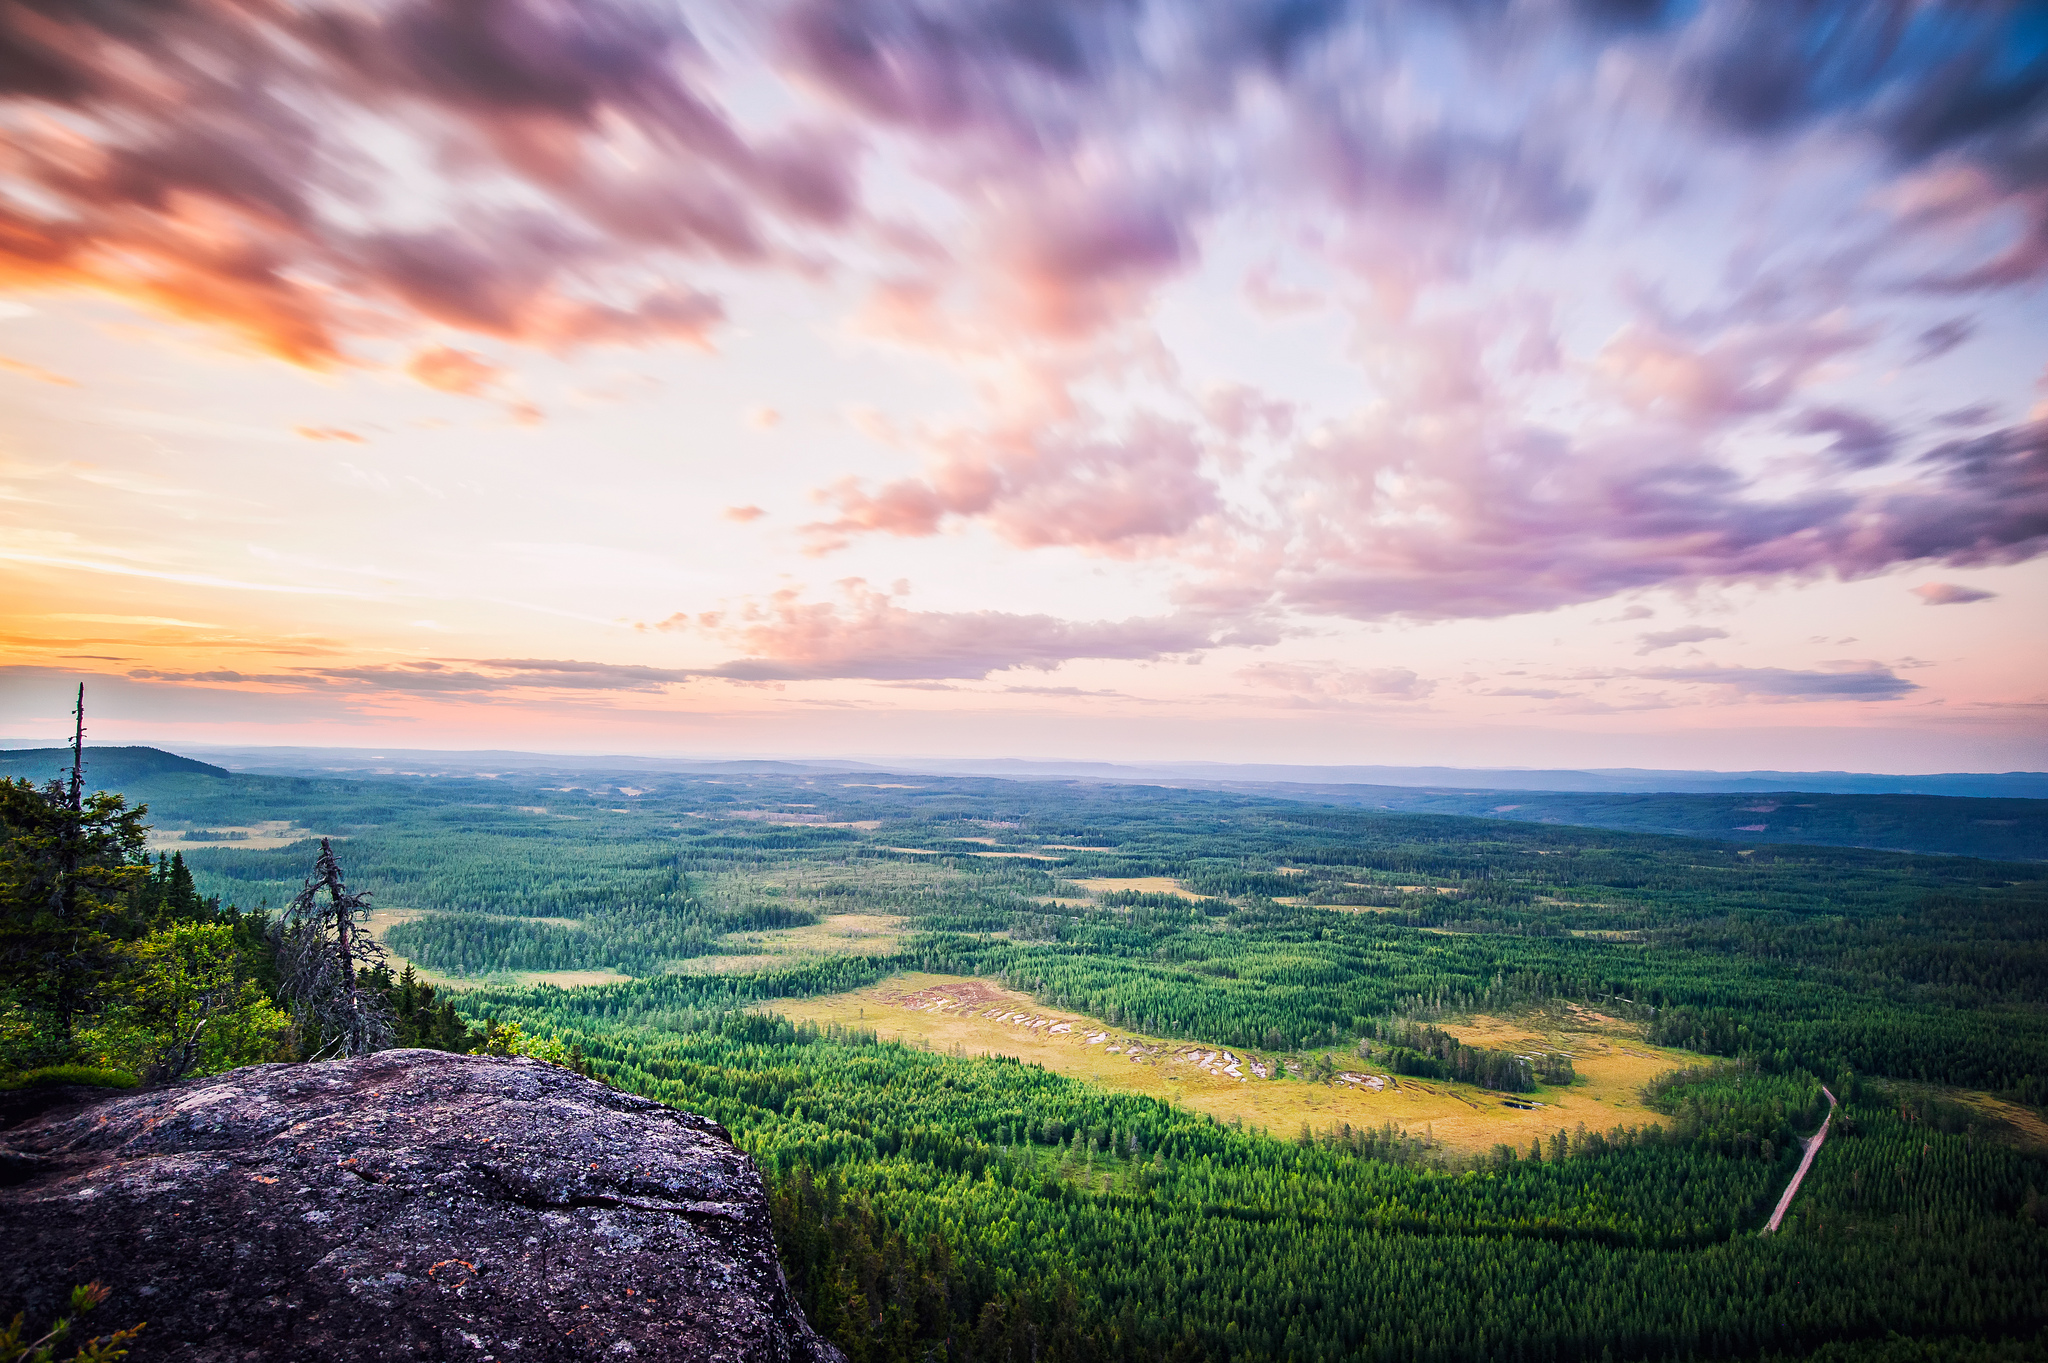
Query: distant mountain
353, 762
105, 768
2002, 816
2024, 785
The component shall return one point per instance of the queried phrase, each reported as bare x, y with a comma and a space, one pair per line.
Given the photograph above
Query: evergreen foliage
992, 1210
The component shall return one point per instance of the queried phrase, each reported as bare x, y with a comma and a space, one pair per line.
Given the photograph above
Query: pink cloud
449, 370
36, 372
1483, 522
1347, 683
1744, 370
216, 140
1950, 594
1041, 486
867, 635
1658, 640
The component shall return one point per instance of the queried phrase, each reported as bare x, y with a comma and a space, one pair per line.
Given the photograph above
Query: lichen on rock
408, 1205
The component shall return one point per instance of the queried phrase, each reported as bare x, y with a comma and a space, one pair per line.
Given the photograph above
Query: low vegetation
1384, 1086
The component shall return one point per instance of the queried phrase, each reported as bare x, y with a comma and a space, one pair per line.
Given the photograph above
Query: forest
971, 1206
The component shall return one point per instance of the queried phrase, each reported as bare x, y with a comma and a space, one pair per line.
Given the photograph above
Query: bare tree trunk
64, 891
319, 951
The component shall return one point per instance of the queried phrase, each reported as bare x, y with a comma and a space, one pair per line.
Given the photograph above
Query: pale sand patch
950, 1013
1140, 884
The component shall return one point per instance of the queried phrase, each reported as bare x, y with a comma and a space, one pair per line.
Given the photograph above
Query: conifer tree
320, 950
68, 860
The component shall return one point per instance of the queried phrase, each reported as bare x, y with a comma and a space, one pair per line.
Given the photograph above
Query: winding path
1805, 1163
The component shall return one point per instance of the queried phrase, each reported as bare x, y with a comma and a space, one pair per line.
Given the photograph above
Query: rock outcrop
411, 1205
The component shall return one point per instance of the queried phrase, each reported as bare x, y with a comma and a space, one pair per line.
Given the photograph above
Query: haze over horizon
1537, 384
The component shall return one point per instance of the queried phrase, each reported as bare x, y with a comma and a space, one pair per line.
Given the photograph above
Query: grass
839, 934
949, 1013
1139, 884
266, 836
50, 1076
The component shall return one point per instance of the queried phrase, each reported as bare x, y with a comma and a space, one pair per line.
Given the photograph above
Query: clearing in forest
839, 934
1139, 884
266, 836
960, 1015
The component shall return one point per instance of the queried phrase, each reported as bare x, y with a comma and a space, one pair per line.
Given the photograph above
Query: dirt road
1805, 1163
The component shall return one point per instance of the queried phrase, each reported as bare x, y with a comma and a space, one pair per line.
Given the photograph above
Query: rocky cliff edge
410, 1205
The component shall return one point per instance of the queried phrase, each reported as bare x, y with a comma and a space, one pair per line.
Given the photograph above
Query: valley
1326, 1089
1125, 1066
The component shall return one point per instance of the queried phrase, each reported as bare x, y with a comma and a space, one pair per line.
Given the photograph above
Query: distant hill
2002, 830
105, 768
281, 761
2026, 785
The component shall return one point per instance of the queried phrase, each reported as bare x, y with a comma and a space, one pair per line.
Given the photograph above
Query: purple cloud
1671, 638
1941, 338
242, 110
1868, 683
1950, 594
1859, 443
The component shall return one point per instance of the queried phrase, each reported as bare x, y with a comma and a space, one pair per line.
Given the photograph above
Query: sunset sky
1522, 382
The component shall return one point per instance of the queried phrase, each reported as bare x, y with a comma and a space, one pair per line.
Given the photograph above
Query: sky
1477, 382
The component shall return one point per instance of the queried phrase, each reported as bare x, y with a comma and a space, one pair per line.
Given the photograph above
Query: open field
956, 1014
840, 934
1136, 884
266, 836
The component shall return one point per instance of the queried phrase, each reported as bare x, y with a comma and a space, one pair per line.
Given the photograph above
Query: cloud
1342, 683
449, 370
194, 159
334, 183
1671, 638
439, 677
36, 372
1421, 509
220, 675
1057, 691
1956, 91
1040, 484
1941, 338
1976, 414
502, 674
1950, 594
743, 514
1870, 682
867, 635
324, 433
1859, 443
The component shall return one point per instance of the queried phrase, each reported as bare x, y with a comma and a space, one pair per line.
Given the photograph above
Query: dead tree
320, 950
